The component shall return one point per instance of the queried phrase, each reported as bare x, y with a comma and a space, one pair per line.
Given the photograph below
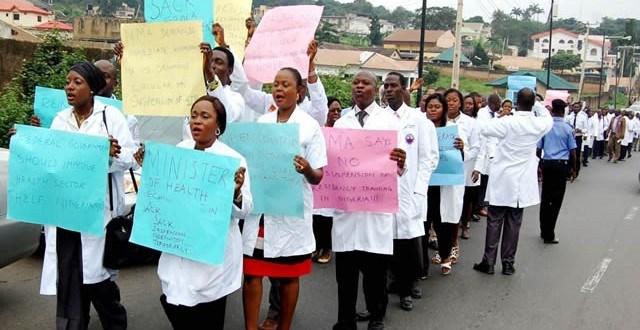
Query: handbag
118, 251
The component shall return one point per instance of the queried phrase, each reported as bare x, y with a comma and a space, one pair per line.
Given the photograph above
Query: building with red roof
23, 13
54, 25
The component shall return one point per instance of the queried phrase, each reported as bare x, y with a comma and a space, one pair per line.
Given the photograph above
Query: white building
356, 24
572, 43
23, 13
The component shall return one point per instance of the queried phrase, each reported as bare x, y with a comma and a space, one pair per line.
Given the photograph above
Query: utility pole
604, 40
550, 46
619, 76
585, 44
421, 56
455, 77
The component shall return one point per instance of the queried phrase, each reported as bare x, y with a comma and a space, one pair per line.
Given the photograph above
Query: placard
450, 171
189, 10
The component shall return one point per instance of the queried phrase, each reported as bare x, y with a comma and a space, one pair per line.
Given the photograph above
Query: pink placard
360, 176
555, 94
281, 40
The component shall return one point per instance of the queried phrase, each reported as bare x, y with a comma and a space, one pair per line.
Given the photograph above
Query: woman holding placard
444, 203
72, 267
281, 246
194, 292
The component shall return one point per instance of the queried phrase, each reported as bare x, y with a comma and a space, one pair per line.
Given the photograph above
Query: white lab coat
289, 235
188, 282
598, 126
260, 102
581, 122
233, 104
92, 246
487, 147
514, 180
366, 231
421, 143
630, 130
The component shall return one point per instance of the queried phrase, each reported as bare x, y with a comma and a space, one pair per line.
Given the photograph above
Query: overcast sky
584, 10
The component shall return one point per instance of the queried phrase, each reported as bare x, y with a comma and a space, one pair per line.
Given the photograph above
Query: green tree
338, 87
562, 61
401, 17
475, 19
108, 7
327, 33
48, 68
517, 31
437, 18
374, 31
430, 74
570, 24
479, 55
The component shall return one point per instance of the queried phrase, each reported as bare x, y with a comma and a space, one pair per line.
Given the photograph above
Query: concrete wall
14, 53
26, 19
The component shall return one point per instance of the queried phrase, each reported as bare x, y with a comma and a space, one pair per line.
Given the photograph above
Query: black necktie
575, 117
361, 116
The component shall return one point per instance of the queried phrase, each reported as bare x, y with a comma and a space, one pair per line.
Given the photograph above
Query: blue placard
185, 202
49, 101
269, 149
192, 10
58, 178
516, 83
450, 171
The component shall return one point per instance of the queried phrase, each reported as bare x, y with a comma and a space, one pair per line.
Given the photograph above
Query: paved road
588, 281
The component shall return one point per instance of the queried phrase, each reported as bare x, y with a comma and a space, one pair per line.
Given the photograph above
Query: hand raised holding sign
139, 155
313, 176
218, 33
35, 121
239, 180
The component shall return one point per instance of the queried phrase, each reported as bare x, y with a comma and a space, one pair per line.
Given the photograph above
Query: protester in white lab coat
513, 184
363, 241
472, 182
72, 267
578, 120
281, 246
599, 128
260, 102
421, 140
194, 292
488, 147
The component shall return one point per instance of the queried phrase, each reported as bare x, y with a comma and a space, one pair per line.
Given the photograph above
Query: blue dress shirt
558, 143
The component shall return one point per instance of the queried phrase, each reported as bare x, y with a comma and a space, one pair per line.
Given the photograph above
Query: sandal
436, 259
453, 256
445, 268
325, 258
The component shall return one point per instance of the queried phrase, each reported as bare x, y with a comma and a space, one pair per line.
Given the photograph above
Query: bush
499, 67
48, 68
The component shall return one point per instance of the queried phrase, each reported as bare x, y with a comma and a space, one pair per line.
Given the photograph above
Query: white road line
632, 213
590, 285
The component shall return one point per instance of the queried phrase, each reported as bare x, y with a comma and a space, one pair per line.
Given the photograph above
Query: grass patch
466, 85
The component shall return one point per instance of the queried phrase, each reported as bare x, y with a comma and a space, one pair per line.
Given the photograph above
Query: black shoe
345, 326
375, 325
475, 217
551, 241
416, 292
484, 268
406, 303
585, 165
363, 316
507, 268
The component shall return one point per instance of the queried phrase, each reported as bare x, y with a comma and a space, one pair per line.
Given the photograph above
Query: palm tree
517, 12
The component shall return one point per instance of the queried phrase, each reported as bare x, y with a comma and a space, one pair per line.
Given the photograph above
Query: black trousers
505, 221
406, 264
578, 154
554, 184
482, 191
374, 268
444, 231
585, 155
322, 232
623, 152
208, 315
74, 298
598, 149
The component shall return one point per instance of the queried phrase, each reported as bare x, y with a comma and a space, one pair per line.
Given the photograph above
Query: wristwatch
313, 73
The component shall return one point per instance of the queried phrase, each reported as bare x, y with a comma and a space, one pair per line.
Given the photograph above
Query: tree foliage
437, 18
479, 56
430, 74
327, 33
374, 31
338, 87
563, 61
516, 30
48, 68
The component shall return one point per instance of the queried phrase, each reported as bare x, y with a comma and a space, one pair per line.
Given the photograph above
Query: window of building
39, 18
545, 51
537, 40
570, 42
16, 16
545, 41
561, 41
593, 52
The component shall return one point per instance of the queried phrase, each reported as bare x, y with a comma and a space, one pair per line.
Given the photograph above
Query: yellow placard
231, 15
161, 68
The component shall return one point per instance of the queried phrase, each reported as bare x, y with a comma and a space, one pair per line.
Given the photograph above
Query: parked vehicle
17, 239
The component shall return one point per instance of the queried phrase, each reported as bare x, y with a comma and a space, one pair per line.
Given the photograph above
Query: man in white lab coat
421, 140
513, 184
363, 241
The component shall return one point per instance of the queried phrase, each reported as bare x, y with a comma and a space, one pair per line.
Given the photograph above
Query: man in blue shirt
558, 163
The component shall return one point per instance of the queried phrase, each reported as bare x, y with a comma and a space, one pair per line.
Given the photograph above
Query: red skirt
258, 265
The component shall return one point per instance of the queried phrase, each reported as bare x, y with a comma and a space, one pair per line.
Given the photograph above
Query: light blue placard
58, 178
47, 103
185, 202
192, 10
516, 83
269, 149
449, 171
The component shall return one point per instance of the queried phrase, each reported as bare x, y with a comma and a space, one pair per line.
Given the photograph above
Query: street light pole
550, 46
618, 77
601, 67
455, 76
421, 57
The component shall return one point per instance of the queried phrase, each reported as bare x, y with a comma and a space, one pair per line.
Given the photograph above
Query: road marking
632, 213
590, 285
